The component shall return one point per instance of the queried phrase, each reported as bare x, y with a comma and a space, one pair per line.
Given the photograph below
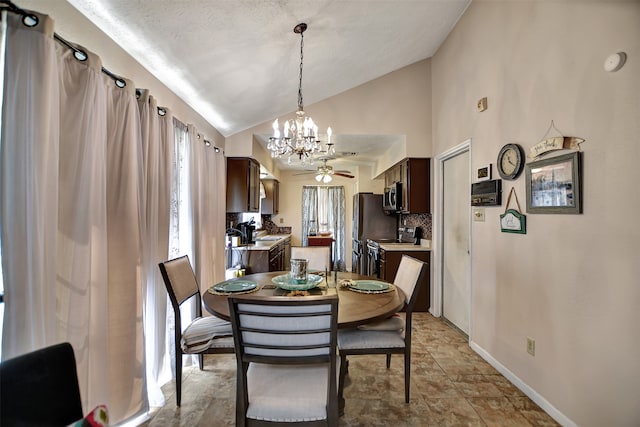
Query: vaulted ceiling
237, 61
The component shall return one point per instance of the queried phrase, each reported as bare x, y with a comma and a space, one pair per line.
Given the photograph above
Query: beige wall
395, 104
74, 27
572, 282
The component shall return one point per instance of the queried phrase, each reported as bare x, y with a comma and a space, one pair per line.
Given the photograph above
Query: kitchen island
268, 253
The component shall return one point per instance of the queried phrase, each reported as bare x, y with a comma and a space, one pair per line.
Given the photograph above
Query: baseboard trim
531, 393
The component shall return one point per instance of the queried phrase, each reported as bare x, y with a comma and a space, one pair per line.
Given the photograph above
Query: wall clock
510, 161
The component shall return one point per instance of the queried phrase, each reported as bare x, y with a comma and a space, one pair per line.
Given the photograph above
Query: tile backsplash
272, 228
267, 225
415, 220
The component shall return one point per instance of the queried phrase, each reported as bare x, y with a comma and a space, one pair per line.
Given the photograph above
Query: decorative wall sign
554, 185
553, 143
512, 221
484, 173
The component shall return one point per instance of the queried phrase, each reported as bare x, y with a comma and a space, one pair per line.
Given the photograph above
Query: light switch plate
478, 214
482, 104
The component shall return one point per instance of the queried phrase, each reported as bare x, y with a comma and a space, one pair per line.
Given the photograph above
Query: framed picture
484, 173
554, 185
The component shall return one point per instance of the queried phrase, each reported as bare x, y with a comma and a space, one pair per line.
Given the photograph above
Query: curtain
71, 224
89, 179
157, 170
204, 187
309, 210
326, 206
336, 217
29, 186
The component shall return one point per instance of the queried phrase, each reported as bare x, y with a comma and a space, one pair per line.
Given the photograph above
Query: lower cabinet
274, 259
389, 263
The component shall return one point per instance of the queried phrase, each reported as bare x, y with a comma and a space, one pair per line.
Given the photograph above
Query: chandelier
299, 136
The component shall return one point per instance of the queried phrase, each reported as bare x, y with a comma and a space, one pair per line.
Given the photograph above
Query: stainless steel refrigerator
369, 222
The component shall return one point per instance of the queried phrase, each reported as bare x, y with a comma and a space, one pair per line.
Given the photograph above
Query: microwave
392, 200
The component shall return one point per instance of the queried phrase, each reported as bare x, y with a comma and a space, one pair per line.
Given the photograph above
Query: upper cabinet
415, 175
243, 185
271, 202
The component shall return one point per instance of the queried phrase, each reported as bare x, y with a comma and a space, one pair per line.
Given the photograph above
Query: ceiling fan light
319, 177
327, 179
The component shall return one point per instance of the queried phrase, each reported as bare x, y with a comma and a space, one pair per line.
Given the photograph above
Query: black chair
390, 336
40, 388
205, 335
286, 356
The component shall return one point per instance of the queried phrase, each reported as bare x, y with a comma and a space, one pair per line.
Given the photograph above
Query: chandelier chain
300, 102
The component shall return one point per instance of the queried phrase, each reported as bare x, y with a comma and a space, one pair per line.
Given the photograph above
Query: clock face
510, 161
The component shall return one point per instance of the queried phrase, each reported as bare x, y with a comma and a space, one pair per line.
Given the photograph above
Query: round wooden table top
354, 308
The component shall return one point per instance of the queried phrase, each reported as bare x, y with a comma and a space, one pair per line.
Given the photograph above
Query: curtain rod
31, 20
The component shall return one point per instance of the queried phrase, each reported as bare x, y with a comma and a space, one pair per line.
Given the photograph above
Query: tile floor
450, 386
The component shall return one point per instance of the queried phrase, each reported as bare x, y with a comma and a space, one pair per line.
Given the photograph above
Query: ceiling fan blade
347, 172
305, 173
344, 174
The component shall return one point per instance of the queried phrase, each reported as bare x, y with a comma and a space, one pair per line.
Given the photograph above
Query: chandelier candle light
299, 136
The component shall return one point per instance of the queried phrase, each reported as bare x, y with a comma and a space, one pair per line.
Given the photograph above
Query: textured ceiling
237, 61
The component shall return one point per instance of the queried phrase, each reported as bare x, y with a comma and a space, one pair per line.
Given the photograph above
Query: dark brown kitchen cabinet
271, 202
243, 185
276, 258
393, 174
415, 175
389, 263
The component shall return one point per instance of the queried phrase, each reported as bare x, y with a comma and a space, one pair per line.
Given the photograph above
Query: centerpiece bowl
284, 281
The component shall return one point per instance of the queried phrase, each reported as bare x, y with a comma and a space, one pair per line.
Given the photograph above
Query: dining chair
286, 356
319, 257
40, 388
204, 335
390, 336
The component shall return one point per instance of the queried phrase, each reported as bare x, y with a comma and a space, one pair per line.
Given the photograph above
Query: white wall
573, 281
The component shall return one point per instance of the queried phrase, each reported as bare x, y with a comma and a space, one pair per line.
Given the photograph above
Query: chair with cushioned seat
318, 257
40, 388
390, 336
286, 357
204, 335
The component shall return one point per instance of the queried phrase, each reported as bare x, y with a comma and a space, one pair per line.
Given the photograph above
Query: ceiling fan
324, 173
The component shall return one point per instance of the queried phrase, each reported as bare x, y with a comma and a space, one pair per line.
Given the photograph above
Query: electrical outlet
281, 220
531, 346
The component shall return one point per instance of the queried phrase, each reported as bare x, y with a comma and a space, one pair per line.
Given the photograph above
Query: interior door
456, 277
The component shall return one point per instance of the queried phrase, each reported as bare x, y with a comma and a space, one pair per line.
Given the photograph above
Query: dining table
356, 305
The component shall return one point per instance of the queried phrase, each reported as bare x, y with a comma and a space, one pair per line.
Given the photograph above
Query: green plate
369, 285
284, 282
235, 285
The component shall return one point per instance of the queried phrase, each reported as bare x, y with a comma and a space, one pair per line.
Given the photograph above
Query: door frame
437, 243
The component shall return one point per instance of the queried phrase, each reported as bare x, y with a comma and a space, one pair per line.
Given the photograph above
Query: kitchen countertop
264, 243
425, 245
